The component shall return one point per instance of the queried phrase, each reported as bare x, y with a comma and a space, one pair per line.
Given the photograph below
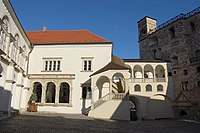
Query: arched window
192, 26
5, 24
38, 91
148, 71
197, 53
86, 92
14, 48
137, 71
89, 92
198, 83
159, 88
172, 32
50, 93
198, 69
64, 93
137, 88
4, 31
148, 88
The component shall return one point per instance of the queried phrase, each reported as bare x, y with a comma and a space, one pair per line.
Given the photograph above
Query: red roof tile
64, 36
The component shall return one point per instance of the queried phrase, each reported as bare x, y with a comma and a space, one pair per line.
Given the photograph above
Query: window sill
85, 98
86, 71
55, 104
51, 71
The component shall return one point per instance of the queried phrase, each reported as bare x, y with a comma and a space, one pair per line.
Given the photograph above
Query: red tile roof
64, 36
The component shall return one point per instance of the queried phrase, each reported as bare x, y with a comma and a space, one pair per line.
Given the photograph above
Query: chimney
44, 29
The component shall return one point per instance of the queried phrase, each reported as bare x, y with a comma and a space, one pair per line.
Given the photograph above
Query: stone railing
174, 19
111, 96
147, 80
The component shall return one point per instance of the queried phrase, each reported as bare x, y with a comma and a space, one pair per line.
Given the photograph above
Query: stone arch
137, 70
103, 84
148, 88
159, 106
159, 88
118, 83
64, 93
50, 92
134, 108
137, 88
6, 23
37, 90
148, 71
159, 71
130, 70
182, 114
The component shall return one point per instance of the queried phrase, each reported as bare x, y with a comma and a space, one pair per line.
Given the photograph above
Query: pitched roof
64, 36
115, 64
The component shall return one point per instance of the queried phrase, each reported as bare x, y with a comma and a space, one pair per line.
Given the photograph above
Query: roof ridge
54, 30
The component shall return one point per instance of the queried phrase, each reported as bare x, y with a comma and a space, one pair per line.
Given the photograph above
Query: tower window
172, 32
198, 69
192, 26
185, 72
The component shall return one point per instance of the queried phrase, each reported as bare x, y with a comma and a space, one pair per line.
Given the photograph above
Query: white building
14, 50
74, 71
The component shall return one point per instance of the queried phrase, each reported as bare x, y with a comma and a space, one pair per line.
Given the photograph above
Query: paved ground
52, 123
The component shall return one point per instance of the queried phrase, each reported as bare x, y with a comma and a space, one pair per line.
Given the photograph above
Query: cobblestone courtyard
52, 123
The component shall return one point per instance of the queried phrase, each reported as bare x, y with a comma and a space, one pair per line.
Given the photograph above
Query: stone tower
178, 41
146, 26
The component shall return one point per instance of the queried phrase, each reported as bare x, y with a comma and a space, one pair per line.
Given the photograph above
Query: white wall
6, 81
71, 63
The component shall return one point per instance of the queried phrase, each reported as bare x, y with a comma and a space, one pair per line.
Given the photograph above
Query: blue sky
114, 20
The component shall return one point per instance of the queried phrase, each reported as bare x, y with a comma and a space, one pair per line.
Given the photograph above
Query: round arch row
148, 71
50, 92
148, 88
109, 84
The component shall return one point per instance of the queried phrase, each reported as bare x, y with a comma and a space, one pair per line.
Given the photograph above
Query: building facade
14, 50
74, 71
177, 41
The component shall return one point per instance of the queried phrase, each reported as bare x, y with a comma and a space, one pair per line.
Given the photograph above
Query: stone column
10, 50
70, 96
110, 88
154, 74
57, 94
43, 99
92, 88
7, 44
143, 79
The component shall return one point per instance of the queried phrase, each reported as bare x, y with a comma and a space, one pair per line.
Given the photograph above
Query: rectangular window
185, 85
58, 66
174, 72
54, 65
87, 65
46, 65
172, 32
185, 72
51, 64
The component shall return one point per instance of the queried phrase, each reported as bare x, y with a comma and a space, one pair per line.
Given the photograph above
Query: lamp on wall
13, 82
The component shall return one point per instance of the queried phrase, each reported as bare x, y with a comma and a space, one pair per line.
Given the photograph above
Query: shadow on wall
140, 108
5, 100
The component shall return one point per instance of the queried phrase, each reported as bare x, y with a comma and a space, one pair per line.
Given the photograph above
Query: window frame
87, 64
51, 64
